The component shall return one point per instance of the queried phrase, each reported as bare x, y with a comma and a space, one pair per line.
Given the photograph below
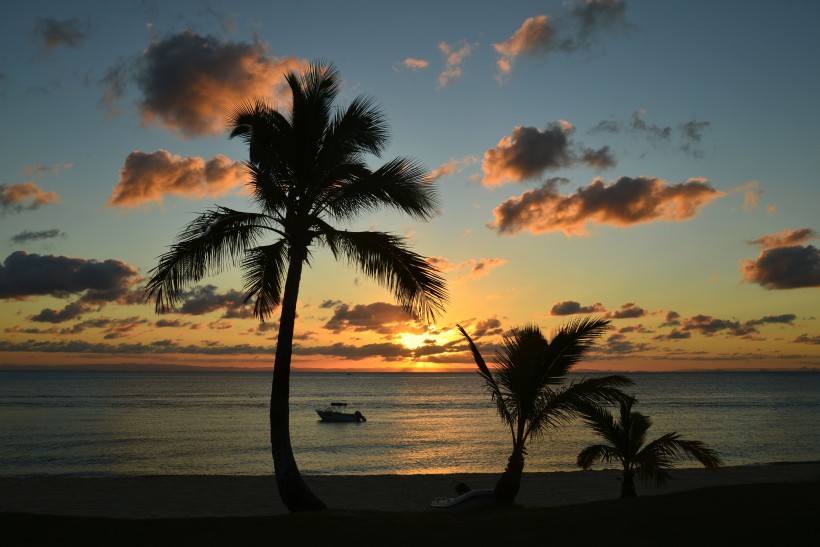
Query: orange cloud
785, 238
149, 177
535, 36
626, 202
477, 267
527, 153
451, 168
452, 62
415, 64
24, 196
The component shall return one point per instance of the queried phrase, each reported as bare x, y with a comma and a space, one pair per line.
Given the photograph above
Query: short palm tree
529, 388
306, 170
626, 443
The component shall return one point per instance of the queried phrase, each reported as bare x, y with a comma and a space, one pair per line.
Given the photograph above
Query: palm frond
217, 238
398, 184
595, 453
572, 342
360, 128
562, 405
264, 272
416, 283
662, 453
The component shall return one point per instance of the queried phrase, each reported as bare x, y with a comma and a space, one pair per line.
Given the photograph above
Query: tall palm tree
528, 386
626, 443
306, 169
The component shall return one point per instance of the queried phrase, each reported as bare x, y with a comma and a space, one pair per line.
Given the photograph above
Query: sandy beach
209, 496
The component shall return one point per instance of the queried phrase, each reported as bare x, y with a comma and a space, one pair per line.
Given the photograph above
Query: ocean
216, 423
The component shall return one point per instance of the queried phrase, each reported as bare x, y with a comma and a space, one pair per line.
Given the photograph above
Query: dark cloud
709, 326
618, 344
69, 312
49, 33
23, 274
27, 236
149, 177
379, 317
691, 134
387, 351
672, 319
528, 153
594, 16
786, 238
189, 82
791, 267
171, 323
626, 202
487, 327
24, 196
806, 339
330, 304
206, 299
630, 310
598, 159
675, 334
46, 169
571, 307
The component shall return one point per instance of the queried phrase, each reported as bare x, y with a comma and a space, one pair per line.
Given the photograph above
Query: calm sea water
121, 423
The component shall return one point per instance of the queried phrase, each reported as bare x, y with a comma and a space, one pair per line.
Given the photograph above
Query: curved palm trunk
292, 489
507, 487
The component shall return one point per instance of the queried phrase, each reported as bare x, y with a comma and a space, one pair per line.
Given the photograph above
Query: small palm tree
528, 386
626, 443
306, 170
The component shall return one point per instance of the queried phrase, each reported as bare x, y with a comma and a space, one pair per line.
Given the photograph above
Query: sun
413, 341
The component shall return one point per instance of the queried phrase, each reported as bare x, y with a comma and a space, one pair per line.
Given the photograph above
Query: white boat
336, 412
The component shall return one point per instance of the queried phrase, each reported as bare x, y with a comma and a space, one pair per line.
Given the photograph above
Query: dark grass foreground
758, 514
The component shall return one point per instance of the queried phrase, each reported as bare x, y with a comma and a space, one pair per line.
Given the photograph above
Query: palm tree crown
306, 169
528, 385
626, 443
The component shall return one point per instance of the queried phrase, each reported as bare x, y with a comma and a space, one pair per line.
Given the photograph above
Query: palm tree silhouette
306, 169
529, 390
626, 443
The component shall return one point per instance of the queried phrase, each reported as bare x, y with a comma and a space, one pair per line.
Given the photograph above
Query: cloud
415, 64
149, 177
379, 317
452, 62
594, 16
752, 194
786, 238
672, 319
806, 339
791, 267
27, 235
487, 327
206, 299
536, 36
24, 196
52, 169
598, 159
69, 312
571, 307
527, 153
386, 350
477, 268
49, 33
689, 133
710, 326
626, 202
451, 168
23, 274
630, 310
188, 83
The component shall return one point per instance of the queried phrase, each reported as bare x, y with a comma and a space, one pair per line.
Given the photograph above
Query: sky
653, 163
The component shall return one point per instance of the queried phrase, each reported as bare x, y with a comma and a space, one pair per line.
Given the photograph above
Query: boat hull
328, 416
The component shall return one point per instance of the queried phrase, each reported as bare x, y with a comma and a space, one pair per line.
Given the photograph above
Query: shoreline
193, 496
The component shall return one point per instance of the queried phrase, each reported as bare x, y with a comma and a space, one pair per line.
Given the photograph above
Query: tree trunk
292, 489
507, 487
628, 485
